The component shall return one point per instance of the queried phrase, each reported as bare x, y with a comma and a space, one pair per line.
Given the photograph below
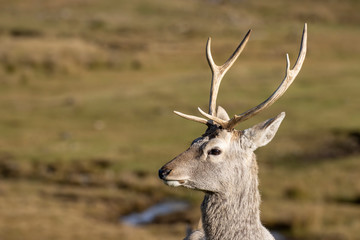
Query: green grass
89, 81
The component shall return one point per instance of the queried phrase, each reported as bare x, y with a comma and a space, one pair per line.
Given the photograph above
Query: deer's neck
235, 214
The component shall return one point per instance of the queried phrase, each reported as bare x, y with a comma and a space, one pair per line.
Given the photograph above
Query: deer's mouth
175, 183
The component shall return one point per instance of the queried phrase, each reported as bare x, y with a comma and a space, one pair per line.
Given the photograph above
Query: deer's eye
214, 151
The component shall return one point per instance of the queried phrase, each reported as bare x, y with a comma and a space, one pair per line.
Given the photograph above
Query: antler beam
289, 78
218, 72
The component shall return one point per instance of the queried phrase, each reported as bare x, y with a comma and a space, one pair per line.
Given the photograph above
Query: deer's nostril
163, 172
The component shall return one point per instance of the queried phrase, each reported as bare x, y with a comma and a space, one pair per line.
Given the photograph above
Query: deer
222, 163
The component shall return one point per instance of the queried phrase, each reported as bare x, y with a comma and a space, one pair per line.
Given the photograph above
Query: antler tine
218, 72
215, 119
288, 80
192, 118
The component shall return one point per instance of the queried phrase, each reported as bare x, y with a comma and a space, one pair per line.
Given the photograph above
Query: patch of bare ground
337, 145
341, 144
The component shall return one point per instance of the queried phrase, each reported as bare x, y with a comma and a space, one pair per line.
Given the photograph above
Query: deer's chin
175, 183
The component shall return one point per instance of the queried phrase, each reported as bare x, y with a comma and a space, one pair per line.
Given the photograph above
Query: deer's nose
164, 172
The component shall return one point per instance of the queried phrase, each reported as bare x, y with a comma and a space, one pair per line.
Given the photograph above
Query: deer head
222, 158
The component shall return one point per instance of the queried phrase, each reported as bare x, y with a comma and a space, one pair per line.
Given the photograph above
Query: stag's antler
219, 72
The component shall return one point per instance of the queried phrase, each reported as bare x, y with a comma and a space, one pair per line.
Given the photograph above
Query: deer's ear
262, 133
221, 113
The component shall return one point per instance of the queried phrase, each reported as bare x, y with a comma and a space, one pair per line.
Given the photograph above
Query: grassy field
87, 90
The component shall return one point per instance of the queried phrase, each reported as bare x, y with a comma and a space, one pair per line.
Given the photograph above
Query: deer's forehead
217, 137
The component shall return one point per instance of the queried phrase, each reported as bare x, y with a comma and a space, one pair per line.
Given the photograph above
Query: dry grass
52, 56
52, 212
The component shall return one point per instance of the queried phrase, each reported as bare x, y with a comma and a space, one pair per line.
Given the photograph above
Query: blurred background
87, 90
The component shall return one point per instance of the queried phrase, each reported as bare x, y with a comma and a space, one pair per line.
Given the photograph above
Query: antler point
287, 62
